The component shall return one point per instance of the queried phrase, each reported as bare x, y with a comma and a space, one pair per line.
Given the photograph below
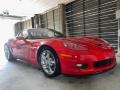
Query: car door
20, 44
25, 47
18, 49
26, 50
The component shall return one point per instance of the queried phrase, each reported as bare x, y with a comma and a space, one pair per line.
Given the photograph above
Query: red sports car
57, 54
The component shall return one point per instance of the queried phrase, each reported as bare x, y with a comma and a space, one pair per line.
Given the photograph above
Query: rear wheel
8, 53
49, 62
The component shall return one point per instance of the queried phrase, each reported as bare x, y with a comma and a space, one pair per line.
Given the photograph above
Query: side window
50, 34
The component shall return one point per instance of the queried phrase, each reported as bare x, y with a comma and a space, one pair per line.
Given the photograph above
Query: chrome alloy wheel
48, 62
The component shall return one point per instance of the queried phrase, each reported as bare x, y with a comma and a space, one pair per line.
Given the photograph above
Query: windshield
43, 33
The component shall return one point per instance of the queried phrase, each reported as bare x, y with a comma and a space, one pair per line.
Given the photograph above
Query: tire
49, 62
8, 53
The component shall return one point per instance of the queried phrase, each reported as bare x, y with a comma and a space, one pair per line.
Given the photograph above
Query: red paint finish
97, 50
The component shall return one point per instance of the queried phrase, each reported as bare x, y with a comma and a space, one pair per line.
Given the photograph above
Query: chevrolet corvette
57, 54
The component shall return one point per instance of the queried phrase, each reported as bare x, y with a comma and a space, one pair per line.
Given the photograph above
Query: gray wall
93, 17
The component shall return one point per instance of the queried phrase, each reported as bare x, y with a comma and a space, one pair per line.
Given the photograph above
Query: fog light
82, 66
78, 65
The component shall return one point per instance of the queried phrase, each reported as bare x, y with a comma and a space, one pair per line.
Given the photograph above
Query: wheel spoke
47, 54
43, 57
50, 69
52, 62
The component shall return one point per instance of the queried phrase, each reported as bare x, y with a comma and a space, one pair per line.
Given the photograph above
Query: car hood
88, 41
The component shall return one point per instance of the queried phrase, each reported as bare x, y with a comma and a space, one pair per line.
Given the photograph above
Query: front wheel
49, 62
8, 53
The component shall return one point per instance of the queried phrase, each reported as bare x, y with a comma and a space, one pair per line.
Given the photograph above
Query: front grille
102, 63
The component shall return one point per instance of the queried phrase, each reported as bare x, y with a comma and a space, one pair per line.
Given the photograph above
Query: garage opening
6, 31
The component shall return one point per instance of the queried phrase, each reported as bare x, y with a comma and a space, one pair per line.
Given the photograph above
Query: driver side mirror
20, 38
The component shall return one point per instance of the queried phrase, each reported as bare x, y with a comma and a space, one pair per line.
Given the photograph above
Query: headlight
75, 46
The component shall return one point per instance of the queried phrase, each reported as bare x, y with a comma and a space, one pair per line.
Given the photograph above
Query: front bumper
70, 59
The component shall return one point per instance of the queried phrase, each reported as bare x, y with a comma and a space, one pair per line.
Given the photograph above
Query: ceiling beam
11, 17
